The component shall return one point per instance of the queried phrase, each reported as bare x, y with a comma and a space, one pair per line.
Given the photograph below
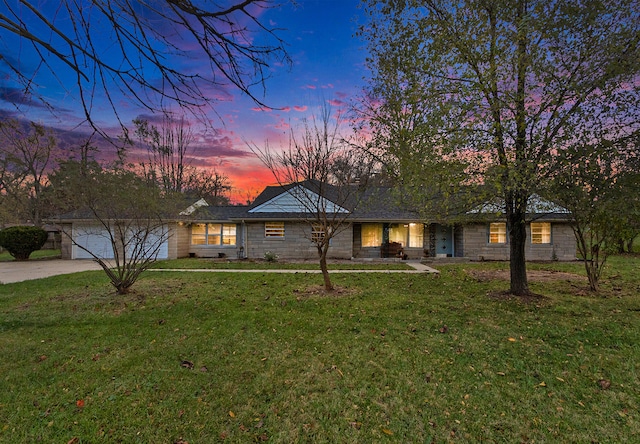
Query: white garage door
96, 239
152, 241
93, 238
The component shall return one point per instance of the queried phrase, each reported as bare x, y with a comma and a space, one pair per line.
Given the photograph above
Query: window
409, 235
213, 234
540, 232
317, 234
398, 233
416, 235
274, 229
371, 235
498, 233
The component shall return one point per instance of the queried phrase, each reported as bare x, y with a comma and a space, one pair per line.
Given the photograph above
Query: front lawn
223, 357
253, 264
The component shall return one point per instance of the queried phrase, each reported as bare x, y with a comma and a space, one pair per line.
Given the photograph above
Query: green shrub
20, 242
270, 256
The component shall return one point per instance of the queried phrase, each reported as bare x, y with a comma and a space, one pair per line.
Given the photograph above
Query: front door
444, 240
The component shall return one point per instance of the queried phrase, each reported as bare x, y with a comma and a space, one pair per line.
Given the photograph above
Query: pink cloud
261, 109
283, 125
309, 87
335, 102
300, 108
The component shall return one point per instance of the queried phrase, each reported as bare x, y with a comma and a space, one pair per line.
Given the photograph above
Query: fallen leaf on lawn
512, 339
259, 424
444, 329
387, 431
604, 384
356, 425
204, 369
500, 373
187, 364
73, 440
233, 415
262, 437
559, 379
80, 403
543, 384
42, 358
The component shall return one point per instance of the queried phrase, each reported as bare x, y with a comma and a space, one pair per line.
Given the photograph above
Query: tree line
39, 180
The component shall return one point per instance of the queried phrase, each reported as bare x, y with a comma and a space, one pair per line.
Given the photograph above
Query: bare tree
25, 155
151, 51
209, 184
125, 211
168, 146
316, 170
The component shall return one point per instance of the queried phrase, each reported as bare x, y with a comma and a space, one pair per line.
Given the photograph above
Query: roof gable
295, 198
194, 207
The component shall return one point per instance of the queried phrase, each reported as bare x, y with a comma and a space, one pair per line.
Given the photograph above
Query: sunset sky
328, 66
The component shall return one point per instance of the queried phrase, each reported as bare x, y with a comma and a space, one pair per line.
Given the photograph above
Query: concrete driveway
38, 269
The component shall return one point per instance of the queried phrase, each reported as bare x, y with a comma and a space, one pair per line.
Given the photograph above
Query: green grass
40, 254
226, 264
276, 360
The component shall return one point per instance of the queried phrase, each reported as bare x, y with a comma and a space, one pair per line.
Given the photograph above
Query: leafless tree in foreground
316, 170
122, 208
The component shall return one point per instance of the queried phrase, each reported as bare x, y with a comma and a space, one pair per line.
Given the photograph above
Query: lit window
498, 233
540, 232
213, 234
398, 233
371, 235
317, 234
198, 234
228, 234
416, 235
274, 229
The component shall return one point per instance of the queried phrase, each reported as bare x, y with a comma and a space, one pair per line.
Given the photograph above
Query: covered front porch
405, 240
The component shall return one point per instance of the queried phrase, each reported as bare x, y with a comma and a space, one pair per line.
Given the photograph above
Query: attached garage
96, 239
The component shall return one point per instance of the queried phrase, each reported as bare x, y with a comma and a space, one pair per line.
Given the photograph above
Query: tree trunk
517, 198
592, 274
517, 261
322, 252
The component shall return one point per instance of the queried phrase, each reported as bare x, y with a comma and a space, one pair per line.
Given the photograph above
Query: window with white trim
498, 233
274, 229
540, 232
213, 234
